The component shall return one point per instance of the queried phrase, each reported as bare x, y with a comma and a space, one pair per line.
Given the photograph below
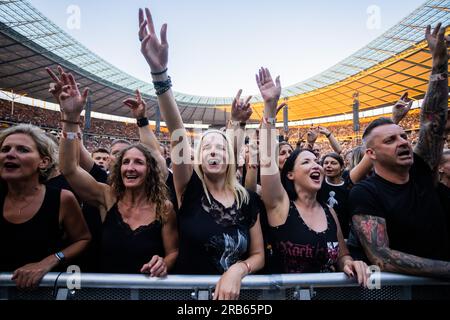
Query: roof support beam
18, 59
27, 71
122, 97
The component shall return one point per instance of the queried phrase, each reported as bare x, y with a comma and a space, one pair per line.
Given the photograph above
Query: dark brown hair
155, 186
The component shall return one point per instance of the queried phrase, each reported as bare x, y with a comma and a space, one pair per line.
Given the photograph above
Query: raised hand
241, 110
138, 106
71, 101
324, 131
56, 87
155, 52
312, 135
437, 42
401, 108
270, 91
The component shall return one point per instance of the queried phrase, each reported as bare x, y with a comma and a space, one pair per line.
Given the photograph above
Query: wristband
238, 123
71, 122
60, 256
71, 135
159, 73
142, 122
439, 77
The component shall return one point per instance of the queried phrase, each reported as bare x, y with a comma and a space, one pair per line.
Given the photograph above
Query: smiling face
20, 158
307, 174
389, 147
214, 154
134, 168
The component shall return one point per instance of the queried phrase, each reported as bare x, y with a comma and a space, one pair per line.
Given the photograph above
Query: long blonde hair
240, 193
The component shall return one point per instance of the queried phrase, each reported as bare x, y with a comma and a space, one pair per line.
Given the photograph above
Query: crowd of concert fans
310, 200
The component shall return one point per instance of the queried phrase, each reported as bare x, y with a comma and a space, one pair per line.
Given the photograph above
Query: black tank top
34, 240
124, 250
298, 249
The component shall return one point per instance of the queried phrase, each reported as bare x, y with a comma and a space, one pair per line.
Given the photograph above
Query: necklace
37, 189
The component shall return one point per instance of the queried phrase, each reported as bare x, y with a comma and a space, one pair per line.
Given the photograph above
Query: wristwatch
142, 122
60, 256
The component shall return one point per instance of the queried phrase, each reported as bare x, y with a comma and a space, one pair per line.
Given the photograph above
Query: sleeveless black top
295, 248
34, 240
124, 250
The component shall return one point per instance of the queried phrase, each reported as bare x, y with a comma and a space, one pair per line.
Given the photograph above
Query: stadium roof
395, 62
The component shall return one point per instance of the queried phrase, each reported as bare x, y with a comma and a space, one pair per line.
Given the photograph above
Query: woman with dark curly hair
139, 225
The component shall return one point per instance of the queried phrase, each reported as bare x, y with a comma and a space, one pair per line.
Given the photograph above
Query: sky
216, 47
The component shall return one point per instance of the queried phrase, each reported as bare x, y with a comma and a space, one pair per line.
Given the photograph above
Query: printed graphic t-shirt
212, 238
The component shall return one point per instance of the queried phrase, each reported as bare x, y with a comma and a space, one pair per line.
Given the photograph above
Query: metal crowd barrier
326, 286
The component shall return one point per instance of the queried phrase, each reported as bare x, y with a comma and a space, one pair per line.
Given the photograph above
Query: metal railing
334, 286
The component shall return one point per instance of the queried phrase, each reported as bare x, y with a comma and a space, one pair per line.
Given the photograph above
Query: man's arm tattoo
373, 235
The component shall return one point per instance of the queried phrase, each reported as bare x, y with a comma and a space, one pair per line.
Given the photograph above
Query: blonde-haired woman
34, 217
218, 219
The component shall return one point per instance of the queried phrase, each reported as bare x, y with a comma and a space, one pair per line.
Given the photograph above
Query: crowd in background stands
103, 132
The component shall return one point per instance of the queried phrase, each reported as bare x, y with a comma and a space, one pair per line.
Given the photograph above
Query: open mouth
404, 153
131, 177
315, 176
213, 162
11, 165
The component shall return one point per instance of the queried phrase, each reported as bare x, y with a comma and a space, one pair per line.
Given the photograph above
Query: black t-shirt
212, 238
415, 219
298, 249
444, 195
60, 182
336, 197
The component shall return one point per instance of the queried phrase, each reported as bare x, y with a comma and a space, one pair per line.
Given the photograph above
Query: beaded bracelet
162, 87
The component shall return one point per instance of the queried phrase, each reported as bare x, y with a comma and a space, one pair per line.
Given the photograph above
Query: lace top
212, 237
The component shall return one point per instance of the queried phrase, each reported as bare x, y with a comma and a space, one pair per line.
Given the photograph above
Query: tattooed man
397, 213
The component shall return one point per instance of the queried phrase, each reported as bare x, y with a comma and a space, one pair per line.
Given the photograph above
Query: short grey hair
45, 146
